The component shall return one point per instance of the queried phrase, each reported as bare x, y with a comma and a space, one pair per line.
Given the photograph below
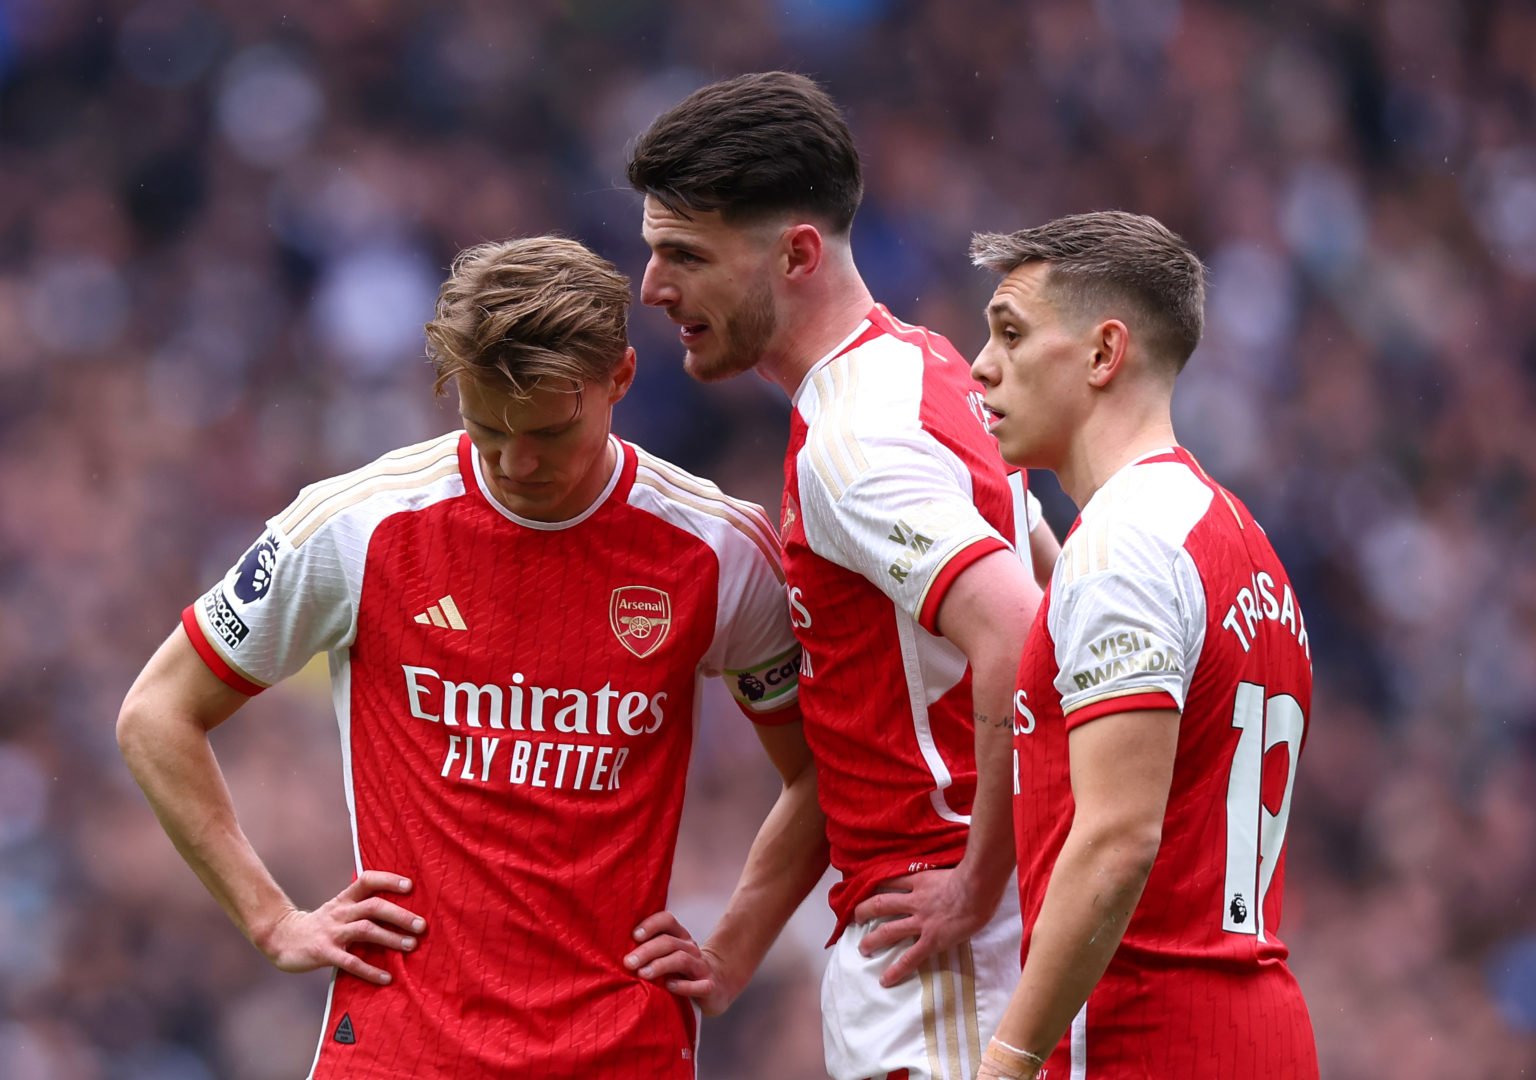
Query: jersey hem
854, 889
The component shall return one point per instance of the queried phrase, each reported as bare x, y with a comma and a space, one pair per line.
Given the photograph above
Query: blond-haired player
517, 618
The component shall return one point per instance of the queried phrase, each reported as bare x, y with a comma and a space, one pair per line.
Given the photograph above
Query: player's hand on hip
668, 956
306, 940
933, 907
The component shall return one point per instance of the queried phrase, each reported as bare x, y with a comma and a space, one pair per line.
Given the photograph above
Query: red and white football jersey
517, 702
1169, 596
893, 486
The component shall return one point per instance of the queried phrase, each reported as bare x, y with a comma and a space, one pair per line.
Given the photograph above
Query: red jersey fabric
893, 486
516, 702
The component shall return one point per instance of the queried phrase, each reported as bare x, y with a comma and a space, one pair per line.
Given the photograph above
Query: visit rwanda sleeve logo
641, 617
254, 577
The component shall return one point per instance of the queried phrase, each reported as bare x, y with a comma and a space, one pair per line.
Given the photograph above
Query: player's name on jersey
1256, 604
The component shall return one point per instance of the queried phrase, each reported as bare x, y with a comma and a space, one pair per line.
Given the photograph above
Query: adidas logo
444, 614
344, 1033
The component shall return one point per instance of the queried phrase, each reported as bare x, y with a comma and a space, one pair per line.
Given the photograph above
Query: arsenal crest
641, 617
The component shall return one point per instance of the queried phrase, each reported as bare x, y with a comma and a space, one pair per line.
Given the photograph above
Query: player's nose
518, 460
984, 367
655, 288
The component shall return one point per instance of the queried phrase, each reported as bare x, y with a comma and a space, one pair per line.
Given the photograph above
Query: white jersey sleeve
899, 519
280, 605
755, 647
1128, 610
294, 593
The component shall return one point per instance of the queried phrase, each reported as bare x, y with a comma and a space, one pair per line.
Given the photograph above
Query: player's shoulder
1139, 521
1161, 497
877, 394
873, 388
698, 506
893, 380
407, 478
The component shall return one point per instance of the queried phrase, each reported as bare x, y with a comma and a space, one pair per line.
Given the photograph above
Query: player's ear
622, 377
803, 248
1111, 342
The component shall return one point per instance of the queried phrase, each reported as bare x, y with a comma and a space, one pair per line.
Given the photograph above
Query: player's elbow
144, 726
135, 722
1137, 853
1125, 849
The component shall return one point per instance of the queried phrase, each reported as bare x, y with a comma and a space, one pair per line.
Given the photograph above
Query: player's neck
814, 326
1103, 449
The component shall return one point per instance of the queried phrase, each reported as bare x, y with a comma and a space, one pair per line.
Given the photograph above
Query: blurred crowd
222, 225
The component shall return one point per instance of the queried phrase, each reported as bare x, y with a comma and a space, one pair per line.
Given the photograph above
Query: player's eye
684, 258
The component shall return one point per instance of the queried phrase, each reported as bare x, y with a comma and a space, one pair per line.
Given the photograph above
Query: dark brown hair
750, 147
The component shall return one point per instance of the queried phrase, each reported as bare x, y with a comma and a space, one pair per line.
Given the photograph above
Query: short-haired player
517, 618
1164, 696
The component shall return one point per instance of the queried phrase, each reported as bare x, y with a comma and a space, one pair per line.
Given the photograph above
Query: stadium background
222, 225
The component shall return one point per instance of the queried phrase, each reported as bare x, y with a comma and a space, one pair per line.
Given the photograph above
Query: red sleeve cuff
227, 675
928, 616
1156, 699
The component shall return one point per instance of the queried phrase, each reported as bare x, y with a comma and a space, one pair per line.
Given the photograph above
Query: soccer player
909, 601
517, 617
1163, 698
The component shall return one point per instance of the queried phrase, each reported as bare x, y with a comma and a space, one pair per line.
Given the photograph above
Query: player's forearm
989, 852
989, 859
986, 615
1093, 890
786, 859
170, 757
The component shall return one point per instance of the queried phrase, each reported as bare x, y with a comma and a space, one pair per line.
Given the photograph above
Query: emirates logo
641, 617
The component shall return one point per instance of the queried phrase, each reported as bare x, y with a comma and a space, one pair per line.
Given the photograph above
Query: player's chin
713, 367
1013, 450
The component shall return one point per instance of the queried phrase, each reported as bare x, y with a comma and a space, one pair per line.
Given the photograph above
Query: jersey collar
866, 328
621, 465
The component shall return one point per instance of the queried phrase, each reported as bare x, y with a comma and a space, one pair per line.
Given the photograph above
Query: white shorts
934, 1025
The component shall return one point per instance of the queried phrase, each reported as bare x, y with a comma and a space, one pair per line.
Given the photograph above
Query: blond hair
515, 315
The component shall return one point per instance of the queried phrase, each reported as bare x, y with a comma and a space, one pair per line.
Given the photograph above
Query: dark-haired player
899, 525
